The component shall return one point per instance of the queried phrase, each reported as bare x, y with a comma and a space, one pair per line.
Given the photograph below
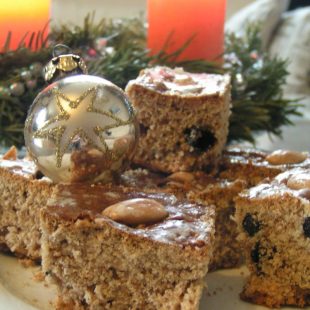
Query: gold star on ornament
79, 117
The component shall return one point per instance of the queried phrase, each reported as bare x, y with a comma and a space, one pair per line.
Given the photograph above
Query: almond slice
282, 157
11, 154
136, 211
299, 181
181, 176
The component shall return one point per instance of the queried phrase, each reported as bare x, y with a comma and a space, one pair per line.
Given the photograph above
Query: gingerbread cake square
200, 187
22, 194
274, 224
183, 118
110, 247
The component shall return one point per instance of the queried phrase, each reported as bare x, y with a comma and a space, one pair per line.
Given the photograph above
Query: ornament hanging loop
61, 49
64, 63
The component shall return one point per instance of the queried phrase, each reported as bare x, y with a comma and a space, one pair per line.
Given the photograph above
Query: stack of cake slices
147, 240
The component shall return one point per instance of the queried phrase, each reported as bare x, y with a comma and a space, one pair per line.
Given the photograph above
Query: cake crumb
26, 262
11, 154
39, 276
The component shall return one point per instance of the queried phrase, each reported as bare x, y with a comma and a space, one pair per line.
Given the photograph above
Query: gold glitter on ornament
79, 117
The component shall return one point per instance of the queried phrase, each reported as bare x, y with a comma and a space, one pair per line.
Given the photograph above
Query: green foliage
257, 80
257, 100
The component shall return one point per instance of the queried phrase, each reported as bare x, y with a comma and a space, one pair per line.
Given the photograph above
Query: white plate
20, 291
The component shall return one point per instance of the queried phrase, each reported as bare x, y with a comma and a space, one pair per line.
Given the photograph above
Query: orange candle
20, 17
182, 19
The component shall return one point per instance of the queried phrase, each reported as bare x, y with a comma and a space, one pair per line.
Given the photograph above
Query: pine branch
257, 81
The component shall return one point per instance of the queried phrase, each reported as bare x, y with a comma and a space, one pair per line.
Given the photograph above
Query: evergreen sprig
257, 79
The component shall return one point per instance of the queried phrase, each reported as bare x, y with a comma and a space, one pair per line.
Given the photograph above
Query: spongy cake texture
183, 118
274, 224
21, 198
98, 263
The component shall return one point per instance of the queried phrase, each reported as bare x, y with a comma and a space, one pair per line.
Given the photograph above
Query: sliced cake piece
22, 195
274, 224
109, 247
221, 193
183, 118
253, 165
200, 187
24, 191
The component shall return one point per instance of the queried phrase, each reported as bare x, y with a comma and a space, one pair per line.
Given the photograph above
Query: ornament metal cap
63, 63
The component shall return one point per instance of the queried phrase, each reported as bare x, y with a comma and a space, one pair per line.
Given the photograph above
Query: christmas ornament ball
81, 128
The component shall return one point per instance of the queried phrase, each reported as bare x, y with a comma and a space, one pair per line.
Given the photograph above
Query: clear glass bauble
81, 128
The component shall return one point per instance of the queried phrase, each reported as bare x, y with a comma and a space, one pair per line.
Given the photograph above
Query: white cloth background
285, 35
74, 11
